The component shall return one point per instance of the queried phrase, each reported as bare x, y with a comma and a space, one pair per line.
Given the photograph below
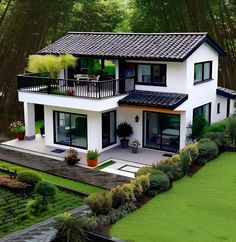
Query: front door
161, 131
108, 128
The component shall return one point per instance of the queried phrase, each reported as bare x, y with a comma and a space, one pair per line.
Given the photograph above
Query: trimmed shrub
29, 177
70, 228
215, 127
231, 128
46, 190
220, 138
170, 160
185, 160
122, 194
159, 181
208, 150
100, 203
137, 188
144, 171
144, 181
193, 149
174, 171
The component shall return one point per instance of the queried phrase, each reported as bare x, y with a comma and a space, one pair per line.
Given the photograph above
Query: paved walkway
59, 168
41, 232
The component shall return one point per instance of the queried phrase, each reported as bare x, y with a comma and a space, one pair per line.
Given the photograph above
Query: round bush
220, 138
29, 177
100, 203
144, 171
159, 181
208, 150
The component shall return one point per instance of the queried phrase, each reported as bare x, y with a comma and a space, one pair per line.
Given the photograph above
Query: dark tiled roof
226, 92
163, 46
154, 99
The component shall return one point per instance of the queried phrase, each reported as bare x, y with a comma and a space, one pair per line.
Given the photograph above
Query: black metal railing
89, 89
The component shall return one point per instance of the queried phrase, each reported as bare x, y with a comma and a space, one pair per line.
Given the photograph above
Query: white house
162, 81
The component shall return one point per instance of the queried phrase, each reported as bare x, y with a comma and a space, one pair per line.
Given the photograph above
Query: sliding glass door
161, 131
70, 129
108, 128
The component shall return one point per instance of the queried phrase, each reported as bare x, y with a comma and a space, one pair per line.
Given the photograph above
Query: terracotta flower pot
21, 136
92, 163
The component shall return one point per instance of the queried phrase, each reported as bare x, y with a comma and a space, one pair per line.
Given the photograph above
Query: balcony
41, 83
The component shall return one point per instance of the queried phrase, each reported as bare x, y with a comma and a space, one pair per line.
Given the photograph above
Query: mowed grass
56, 179
197, 209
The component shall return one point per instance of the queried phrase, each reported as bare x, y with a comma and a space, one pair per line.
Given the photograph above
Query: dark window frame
218, 108
54, 129
150, 84
115, 128
203, 111
202, 79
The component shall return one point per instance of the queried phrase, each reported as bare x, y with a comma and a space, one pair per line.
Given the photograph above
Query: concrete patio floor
38, 147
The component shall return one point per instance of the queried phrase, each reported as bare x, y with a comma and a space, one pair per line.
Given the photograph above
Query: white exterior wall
175, 77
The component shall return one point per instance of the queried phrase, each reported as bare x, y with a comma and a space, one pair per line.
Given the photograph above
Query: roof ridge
131, 33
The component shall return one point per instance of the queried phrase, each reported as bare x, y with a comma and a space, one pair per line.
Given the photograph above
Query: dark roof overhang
225, 92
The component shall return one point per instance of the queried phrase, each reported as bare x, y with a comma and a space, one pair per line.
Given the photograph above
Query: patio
38, 147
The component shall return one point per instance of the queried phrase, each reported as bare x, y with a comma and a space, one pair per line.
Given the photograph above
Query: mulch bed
194, 168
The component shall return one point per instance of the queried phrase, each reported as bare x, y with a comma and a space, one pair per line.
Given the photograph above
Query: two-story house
162, 81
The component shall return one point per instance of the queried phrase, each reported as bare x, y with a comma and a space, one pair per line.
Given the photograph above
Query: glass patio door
108, 128
161, 131
70, 129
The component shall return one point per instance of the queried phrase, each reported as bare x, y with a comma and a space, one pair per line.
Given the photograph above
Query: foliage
231, 128
220, 138
46, 190
17, 127
93, 66
199, 123
13, 184
137, 188
86, 188
72, 157
124, 130
208, 150
171, 160
194, 204
29, 177
159, 181
144, 181
144, 171
50, 63
135, 143
193, 149
70, 228
173, 171
185, 160
215, 127
92, 154
34, 206
100, 203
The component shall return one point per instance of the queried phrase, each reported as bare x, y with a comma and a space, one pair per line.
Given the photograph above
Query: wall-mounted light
136, 118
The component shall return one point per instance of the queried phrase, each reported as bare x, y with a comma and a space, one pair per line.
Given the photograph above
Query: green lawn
56, 180
201, 208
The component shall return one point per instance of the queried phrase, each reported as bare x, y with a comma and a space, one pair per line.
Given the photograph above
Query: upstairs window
202, 71
152, 74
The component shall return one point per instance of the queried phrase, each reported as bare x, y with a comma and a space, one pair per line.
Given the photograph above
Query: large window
108, 128
70, 129
202, 71
205, 110
151, 74
161, 131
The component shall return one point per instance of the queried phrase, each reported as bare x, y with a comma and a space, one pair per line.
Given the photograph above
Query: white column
29, 116
117, 68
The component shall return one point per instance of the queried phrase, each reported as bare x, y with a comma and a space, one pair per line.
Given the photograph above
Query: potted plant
124, 130
92, 157
18, 128
135, 144
42, 129
72, 157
